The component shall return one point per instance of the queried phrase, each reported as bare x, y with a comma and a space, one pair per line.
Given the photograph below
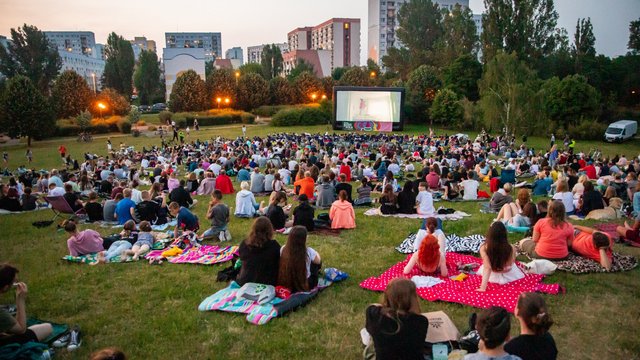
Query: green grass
151, 311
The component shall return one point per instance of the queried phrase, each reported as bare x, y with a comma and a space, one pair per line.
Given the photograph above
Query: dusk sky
253, 22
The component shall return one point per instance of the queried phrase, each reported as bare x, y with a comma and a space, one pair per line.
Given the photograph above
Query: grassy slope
151, 311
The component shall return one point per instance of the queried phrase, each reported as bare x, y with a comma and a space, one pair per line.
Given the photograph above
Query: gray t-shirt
219, 216
481, 356
108, 210
7, 322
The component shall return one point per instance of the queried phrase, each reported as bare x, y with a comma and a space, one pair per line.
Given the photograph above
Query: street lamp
101, 107
93, 75
324, 97
218, 100
237, 76
372, 74
227, 101
313, 97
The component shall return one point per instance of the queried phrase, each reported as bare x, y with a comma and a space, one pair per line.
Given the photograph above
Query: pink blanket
204, 255
465, 292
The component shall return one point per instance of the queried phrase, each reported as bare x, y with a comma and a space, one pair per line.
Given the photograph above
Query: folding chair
61, 207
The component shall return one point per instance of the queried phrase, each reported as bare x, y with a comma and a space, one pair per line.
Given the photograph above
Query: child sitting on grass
143, 244
186, 220
424, 201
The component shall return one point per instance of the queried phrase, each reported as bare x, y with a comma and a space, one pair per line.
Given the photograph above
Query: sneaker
62, 341
75, 339
227, 235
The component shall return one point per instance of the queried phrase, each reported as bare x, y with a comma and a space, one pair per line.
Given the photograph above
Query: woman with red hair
430, 257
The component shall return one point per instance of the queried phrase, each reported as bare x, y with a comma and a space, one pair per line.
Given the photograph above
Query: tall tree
271, 61
114, 103
446, 108
118, 69
523, 27
147, 76
458, 37
307, 84
71, 95
634, 37
584, 42
570, 100
300, 68
253, 91
420, 29
250, 68
560, 62
398, 60
189, 93
356, 76
508, 93
221, 83
30, 54
26, 110
422, 87
462, 76
281, 91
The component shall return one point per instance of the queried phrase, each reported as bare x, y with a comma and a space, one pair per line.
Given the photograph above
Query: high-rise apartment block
211, 42
140, 43
235, 53
383, 23
80, 52
254, 53
334, 43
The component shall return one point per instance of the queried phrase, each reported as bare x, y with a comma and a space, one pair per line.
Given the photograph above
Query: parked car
144, 108
621, 130
159, 107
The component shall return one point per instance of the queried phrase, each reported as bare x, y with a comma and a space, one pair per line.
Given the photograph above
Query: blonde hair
244, 185
563, 186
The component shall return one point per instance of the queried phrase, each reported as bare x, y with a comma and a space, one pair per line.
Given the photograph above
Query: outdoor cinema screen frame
362, 108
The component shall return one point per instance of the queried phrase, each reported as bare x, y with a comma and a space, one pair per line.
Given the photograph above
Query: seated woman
498, 258
594, 245
534, 342
509, 215
259, 254
304, 213
276, 212
208, 185
388, 201
364, 193
299, 264
430, 257
591, 199
430, 226
246, 205
563, 194
224, 184
82, 242
552, 236
407, 199
390, 180
451, 188
192, 183
341, 213
13, 329
397, 327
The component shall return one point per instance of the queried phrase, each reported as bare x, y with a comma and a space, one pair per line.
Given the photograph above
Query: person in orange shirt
594, 245
306, 185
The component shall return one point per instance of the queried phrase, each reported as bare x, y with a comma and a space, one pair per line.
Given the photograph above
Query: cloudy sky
253, 22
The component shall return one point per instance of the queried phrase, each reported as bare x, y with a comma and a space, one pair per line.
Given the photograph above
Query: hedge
301, 116
270, 110
223, 118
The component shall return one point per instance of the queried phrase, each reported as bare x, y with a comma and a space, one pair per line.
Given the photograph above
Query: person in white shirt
55, 190
292, 164
215, 168
424, 200
470, 187
394, 168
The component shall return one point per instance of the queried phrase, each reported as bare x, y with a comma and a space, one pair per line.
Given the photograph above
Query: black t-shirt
303, 215
106, 187
72, 200
94, 211
259, 265
277, 216
533, 347
346, 187
406, 202
591, 200
406, 344
572, 180
388, 206
181, 196
10, 204
147, 210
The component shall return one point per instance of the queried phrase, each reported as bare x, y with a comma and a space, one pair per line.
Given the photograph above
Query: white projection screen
368, 108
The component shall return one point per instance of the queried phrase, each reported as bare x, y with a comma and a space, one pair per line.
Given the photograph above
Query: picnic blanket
203, 255
92, 259
455, 216
464, 292
609, 228
225, 300
455, 243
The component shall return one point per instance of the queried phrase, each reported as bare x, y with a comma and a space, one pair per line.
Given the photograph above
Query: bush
124, 126
270, 110
587, 130
135, 133
301, 116
68, 127
164, 116
134, 116
141, 123
222, 117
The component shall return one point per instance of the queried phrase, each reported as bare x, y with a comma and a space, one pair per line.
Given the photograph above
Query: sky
253, 22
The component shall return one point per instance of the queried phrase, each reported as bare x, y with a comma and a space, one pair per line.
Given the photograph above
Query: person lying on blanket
498, 258
493, 325
299, 264
510, 216
430, 257
397, 327
185, 219
143, 244
14, 329
534, 342
594, 245
631, 233
82, 242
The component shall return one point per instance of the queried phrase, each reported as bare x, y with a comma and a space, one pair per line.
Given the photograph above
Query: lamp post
313, 97
101, 107
226, 102
237, 74
93, 76
218, 100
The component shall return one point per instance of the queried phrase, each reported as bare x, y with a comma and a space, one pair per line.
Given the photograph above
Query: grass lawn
151, 311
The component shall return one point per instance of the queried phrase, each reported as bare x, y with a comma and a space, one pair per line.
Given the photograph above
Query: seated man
14, 329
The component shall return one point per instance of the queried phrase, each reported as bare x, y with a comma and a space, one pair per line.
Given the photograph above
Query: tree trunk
28, 141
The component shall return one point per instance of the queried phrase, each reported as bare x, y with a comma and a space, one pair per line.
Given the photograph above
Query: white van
621, 130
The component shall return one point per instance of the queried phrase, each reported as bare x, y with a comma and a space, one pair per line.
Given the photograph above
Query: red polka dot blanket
465, 292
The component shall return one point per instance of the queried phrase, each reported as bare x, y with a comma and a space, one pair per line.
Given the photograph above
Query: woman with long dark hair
388, 201
396, 326
498, 258
299, 264
407, 199
260, 255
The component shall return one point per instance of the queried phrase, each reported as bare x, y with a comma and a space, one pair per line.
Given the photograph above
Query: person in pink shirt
341, 213
432, 178
82, 242
552, 236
